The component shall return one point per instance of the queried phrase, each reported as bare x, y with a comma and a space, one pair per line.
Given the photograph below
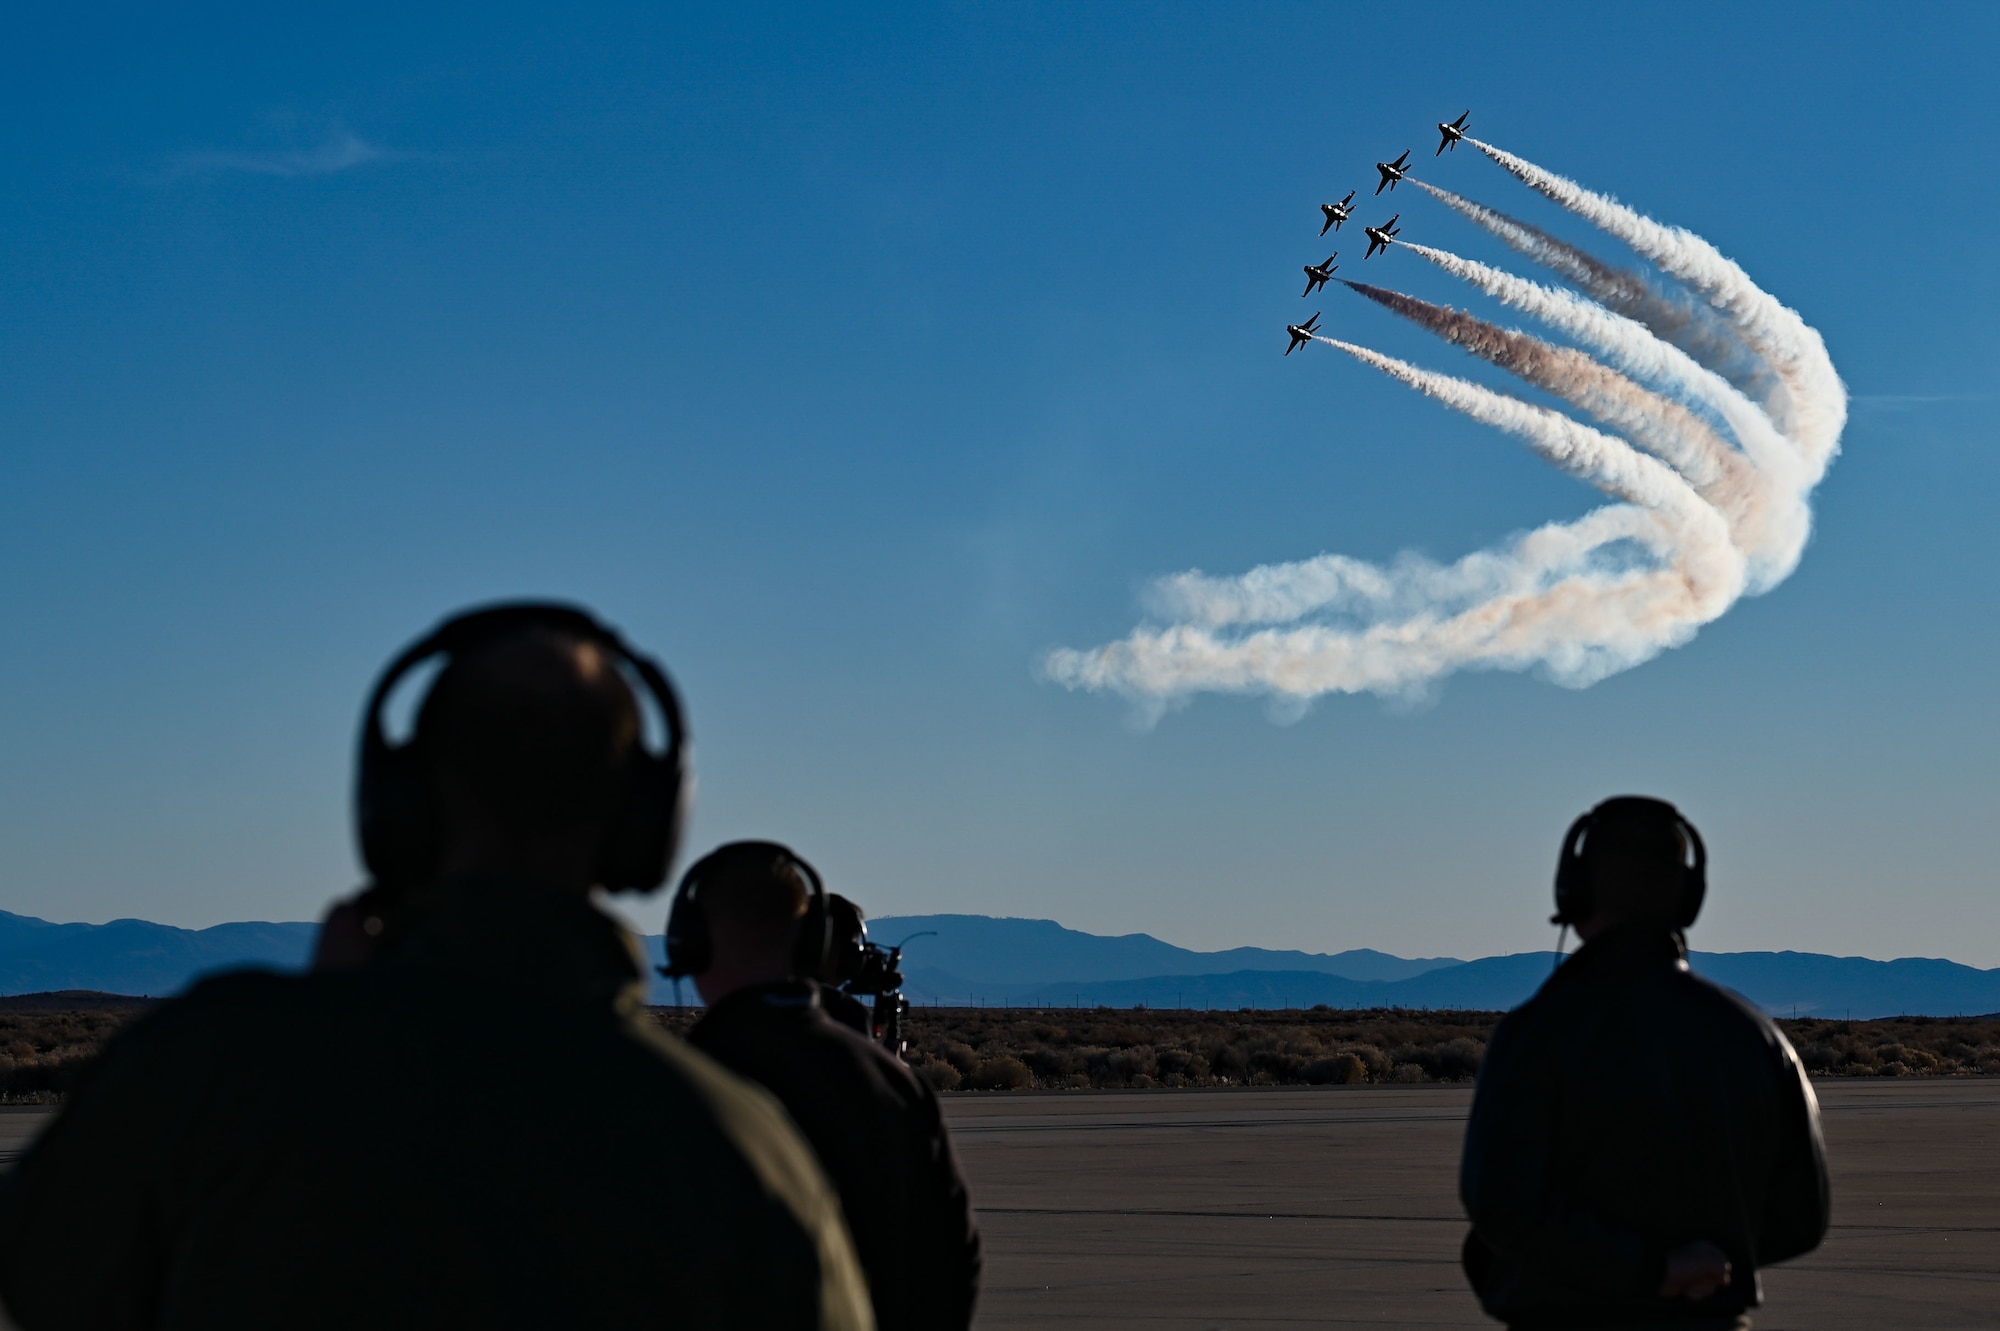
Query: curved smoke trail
1698, 520
1796, 353
1765, 486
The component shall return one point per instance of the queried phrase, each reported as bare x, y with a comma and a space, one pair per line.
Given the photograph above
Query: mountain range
954, 960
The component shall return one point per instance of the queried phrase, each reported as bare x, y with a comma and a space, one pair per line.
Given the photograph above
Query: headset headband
392, 815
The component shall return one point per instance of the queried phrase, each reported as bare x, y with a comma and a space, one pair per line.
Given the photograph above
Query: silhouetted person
750, 925
1642, 1141
464, 1119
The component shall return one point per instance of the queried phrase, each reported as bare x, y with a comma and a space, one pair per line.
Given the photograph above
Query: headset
395, 813
690, 949
1573, 878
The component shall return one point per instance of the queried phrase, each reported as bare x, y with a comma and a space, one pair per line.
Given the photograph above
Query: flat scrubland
1014, 1049
46, 1040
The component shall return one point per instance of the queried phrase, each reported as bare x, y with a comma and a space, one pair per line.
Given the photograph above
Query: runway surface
1203, 1209
1196, 1209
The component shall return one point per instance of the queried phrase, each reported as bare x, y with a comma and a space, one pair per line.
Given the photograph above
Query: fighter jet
1452, 132
1318, 273
1380, 237
1302, 333
1393, 171
1336, 213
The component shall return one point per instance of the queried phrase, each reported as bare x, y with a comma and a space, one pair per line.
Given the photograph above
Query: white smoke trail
1762, 490
1700, 331
1794, 350
1577, 600
1662, 427
1609, 463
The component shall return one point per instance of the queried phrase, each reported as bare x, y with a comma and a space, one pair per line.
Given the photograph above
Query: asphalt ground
1288, 1206
1200, 1209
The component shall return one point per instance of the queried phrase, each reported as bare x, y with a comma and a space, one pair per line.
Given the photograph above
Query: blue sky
852, 358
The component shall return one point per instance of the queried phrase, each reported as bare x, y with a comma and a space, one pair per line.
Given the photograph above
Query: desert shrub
1373, 1059
1051, 1063
43, 1050
1275, 1067
1130, 1066
942, 1076
1340, 1070
1228, 1062
1000, 1074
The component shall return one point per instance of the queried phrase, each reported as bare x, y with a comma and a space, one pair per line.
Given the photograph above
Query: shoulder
215, 1013
1728, 1014
1725, 1006
757, 1131
741, 1111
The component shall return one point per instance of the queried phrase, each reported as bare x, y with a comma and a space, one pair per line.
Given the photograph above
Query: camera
861, 969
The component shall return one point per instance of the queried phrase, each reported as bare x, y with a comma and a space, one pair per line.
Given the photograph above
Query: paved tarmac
1204, 1209
1197, 1209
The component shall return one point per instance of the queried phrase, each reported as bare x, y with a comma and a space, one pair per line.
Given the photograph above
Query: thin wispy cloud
1901, 401
340, 150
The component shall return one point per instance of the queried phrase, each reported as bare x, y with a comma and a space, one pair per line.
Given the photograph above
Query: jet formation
1380, 238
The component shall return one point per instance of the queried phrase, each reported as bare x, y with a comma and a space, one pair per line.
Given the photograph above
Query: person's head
754, 897
525, 741
1631, 860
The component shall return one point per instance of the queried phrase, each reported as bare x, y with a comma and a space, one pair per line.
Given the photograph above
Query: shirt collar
518, 931
1627, 949
785, 996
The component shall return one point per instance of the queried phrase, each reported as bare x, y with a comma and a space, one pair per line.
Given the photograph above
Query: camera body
861, 969
881, 980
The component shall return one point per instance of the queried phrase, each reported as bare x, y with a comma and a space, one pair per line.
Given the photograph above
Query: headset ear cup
688, 947
644, 835
395, 818
1695, 890
815, 927
1573, 876
644, 839
809, 955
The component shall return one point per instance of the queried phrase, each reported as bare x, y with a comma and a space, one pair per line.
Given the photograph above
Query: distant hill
1782, 983
985, 950
136, 956
980, 959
